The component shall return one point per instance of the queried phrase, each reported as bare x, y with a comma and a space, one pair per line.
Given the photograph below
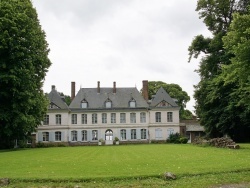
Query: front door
109, 137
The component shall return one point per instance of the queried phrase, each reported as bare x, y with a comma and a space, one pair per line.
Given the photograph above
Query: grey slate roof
120, 99
56, 99
160, 96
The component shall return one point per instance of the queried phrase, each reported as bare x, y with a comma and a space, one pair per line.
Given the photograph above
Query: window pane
158, 117
74, 118
170, 116
132, 118
108, 104
113, 118
133, 134
58, 119
58, 136
143, 117
45, 136
46, 120
104, 118
123, 134
143, 134
94, 135
122, 118
84, 135
73, 135
84, 118
94, 118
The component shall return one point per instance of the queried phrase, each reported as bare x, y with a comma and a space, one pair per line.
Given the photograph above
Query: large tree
175, 91
211, 94
23, 65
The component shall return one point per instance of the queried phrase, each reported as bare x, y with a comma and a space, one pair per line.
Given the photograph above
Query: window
158, 117
143, 117
84, 135
123, 134
45, 136
133, 134
132, 118
84, 119
122, 118
58, 136
143, 134
74, 118
169, 132
104, 118
132, 103
94, 118
58, 119
74, 136
108, 104
84, 104
170, 116
113, 117
94, 135
158, 134
46, 120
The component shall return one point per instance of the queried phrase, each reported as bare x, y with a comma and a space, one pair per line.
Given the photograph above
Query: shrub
177, 139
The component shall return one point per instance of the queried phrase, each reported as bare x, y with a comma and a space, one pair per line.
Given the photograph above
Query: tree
67, 98
211, 94
175, 91
23, 65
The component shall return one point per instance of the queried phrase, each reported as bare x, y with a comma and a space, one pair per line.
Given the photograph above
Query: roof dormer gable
163, 103
53, 106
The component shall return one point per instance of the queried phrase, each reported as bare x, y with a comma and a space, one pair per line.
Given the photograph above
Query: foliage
116, 139
23, 66
215, 106
175, 91
177, 139
67, 98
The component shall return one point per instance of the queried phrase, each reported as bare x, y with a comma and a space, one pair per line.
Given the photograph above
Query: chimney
98, 87
53, 87
73, 90
145, 89
114, 87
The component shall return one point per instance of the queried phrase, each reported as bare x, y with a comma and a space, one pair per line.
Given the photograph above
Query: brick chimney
145, 89
73, 90
114, 87
98, 87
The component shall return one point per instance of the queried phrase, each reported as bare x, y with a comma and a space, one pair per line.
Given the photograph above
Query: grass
131, 165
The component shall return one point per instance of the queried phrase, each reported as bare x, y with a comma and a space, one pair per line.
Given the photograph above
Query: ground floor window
169, 132
58, 136
143, 133
158, 134
84, 135
94, 135
123, 134
45, 136
73, 135
133, 134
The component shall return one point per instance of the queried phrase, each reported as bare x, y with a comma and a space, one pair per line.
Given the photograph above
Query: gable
162, 99
163, 103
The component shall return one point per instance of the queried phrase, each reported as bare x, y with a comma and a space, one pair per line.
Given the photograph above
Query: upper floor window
74, 118
132, 103
113, 117
132, 117
158, 117
58, 119
58, 136
84, 119
46, 120
108, 104
122, 118
104, 118
143, 117
143, 133
170, 116
45, 136
94, 118
73, 135
84, 103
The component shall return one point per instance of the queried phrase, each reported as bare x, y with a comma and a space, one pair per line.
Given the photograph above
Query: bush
177, 139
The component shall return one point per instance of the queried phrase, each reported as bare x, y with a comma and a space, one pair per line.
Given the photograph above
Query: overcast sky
126, 41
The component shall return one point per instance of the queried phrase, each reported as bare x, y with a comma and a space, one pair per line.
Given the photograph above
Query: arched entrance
109, 137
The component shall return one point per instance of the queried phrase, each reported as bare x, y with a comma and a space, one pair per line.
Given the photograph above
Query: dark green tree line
215, 105
23, 66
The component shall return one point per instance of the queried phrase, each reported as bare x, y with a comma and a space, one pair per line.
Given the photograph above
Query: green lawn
126, 161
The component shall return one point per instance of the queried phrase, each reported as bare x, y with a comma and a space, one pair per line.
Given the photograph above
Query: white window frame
84, 135
46, 120
142, 117
158, 117
133, 134
45, 136
123, 134
122, 117
58, 136
74, 136
143, 134
170, 116
84, 118
104, 117
73, 118
113, 117
58, 119
132, 117
94, 135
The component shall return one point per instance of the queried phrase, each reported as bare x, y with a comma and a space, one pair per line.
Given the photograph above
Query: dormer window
84, 104
132, 103
108, 103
